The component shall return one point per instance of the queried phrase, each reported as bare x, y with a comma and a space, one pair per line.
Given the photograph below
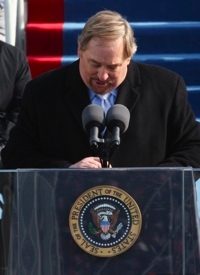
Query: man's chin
102, 90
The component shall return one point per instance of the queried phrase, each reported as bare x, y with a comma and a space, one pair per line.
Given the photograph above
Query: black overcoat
49, 133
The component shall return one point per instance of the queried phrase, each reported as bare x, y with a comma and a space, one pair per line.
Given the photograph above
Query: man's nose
103, 74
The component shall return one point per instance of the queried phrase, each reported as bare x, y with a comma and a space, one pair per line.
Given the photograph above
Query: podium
104, 221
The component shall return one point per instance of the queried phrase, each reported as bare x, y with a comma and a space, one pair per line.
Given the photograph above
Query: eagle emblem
105, 221
105, 217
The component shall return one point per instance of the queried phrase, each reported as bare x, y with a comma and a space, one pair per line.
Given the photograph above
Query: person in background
2, 21
14, 75
162, 130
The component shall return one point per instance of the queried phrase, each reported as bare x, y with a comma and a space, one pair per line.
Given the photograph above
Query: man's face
102, 65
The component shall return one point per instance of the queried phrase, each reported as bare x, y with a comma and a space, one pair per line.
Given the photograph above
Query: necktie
104, 102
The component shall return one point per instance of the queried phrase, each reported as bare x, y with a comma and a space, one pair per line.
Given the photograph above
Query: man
14, 75
162, 129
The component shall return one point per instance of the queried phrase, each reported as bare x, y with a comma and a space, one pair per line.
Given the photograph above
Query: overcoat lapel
76, 96
128, 93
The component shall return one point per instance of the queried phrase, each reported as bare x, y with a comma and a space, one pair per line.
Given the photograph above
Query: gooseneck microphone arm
115, 141
94, 137
93, 122
117, 121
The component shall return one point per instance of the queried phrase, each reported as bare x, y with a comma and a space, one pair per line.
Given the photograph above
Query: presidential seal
105, 221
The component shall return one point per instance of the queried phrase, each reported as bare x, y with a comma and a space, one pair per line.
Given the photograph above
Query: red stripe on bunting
40, 65
46, 11
44, 34
44, 39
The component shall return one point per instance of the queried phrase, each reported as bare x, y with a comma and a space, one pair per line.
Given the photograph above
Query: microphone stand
105, 154
104, 149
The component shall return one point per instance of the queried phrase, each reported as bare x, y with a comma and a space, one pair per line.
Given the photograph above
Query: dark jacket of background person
14, 75
49, 132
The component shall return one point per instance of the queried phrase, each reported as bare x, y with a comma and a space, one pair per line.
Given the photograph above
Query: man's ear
128, 60
79, 52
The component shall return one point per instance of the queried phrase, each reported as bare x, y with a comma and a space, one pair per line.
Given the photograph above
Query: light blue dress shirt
106, 100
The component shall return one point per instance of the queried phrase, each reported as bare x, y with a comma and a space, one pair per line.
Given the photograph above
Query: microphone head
118, 116
93, 115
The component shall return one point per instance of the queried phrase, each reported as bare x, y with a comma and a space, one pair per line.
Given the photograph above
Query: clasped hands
89, 162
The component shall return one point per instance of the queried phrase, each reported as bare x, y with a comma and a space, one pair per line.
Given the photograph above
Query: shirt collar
93, 94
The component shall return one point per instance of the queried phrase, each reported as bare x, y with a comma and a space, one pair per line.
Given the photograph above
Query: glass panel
196, 181
103, 235
7, 180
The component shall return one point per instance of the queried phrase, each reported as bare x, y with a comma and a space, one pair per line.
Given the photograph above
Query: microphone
117, 122
93, 122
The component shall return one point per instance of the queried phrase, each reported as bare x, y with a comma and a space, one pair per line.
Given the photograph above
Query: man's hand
89, 162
